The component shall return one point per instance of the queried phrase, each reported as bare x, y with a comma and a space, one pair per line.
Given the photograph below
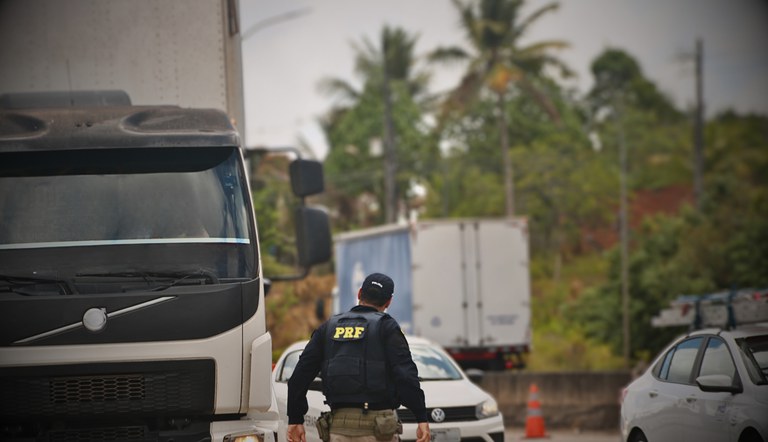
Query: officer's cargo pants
356, 425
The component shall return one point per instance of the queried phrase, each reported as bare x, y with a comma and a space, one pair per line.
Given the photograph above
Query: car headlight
487, 409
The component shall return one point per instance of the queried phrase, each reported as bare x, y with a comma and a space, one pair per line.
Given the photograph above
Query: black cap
378, 285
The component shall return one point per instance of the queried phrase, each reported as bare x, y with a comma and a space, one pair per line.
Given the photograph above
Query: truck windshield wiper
162, 280
18, 283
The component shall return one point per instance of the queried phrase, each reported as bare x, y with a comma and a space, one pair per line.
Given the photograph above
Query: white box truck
131, 286
463, 283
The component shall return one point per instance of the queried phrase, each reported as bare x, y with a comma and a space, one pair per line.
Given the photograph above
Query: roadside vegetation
510, 140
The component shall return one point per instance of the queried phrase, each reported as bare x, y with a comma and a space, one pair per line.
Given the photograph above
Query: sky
290, 45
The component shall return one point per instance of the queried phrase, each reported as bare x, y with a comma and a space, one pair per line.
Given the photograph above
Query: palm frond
469, 23
339, 88
541, 47
466, 92
448, 55
541, 99
564, 69
418, 84
523, 26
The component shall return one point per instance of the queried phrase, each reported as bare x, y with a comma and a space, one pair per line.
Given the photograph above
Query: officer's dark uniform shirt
402, 370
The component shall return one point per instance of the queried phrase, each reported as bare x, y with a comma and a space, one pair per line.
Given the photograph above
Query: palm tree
499, 61
391, 62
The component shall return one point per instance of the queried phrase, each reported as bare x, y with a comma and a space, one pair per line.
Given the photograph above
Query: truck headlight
487, 409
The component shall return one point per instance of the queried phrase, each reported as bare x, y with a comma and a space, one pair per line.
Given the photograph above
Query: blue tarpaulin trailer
385, 250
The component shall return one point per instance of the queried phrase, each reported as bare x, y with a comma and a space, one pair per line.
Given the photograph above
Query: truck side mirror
313, 236
306, 177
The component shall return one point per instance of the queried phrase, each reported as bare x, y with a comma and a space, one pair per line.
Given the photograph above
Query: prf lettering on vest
348, 332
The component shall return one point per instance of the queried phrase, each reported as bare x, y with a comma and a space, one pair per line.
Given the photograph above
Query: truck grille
108, 390
97, 389
100, 435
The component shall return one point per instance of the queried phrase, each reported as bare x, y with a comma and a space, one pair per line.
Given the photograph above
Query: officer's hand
422, 432
296, 433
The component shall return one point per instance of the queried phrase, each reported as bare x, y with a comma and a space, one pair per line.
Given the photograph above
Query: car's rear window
678, 363
754, 353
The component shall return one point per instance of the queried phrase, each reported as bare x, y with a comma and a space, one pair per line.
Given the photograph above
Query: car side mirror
475, 375
714, 383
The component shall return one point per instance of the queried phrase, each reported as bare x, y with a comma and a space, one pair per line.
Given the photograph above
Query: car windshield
113, 212
433, 365
289, 364
754, 353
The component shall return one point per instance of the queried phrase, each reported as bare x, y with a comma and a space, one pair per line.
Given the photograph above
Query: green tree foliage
565, 149
735, 212
562, 182
356, 128
656, 136
722, 247
499, 64
498, 59
618, 77
560, 342
273, 203
688, 253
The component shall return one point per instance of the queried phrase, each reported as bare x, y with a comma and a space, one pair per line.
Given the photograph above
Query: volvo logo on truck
95, 319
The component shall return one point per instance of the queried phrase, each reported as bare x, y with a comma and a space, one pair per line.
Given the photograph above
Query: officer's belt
376, 406
354, 422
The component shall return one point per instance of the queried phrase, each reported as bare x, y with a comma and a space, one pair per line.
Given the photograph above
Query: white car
708, 385
457, 408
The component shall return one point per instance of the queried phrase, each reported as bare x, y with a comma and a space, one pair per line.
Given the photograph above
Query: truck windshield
123, 211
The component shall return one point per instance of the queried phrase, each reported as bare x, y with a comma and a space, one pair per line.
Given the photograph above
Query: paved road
517, 434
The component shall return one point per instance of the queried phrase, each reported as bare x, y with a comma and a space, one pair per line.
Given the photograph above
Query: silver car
458, 409
708, 385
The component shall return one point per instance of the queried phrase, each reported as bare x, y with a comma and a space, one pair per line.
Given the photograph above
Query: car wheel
637, 436
750, 435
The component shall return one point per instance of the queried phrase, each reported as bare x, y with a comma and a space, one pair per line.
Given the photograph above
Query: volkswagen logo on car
438, 415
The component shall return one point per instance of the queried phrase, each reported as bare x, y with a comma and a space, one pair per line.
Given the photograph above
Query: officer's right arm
296, 433
422, 432
305, 372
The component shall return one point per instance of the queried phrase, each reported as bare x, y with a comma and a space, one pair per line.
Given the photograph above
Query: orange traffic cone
534, 420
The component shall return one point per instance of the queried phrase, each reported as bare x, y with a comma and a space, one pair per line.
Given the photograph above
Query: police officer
367, 372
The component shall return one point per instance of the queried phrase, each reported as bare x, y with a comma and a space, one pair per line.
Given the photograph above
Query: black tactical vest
354, 369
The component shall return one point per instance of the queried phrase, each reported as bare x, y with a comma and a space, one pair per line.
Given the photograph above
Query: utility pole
698, 129
623, 234
506, 157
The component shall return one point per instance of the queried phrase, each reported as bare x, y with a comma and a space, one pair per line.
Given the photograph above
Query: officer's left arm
404, 371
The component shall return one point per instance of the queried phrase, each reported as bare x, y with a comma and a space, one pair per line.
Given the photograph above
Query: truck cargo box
464, 284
